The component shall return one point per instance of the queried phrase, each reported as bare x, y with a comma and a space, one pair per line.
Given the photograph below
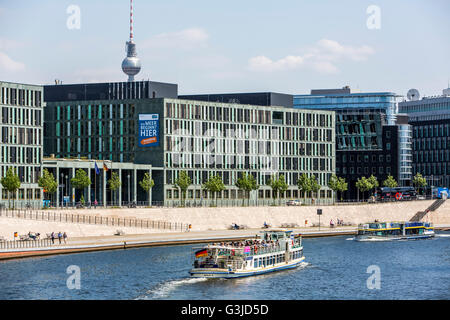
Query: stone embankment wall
221, 218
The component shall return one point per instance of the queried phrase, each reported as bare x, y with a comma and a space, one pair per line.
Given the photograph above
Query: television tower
131, 65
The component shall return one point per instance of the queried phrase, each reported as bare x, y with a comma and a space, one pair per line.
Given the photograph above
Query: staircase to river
433, 207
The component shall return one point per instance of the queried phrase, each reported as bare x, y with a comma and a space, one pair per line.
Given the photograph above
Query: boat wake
164, 289
352, 238
442, 235
374, 240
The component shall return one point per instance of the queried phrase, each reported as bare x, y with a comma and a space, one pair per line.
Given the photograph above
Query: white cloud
6, 44
8, 64
321, 57
262, 63
184, 39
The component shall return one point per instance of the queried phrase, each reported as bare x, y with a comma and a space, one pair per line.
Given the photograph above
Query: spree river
335, 268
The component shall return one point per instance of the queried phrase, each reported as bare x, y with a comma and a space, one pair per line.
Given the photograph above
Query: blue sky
288, 46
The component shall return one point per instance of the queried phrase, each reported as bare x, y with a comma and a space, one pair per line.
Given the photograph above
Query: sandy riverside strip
147, 240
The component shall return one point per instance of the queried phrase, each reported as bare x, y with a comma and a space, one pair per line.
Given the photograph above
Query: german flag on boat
201, 253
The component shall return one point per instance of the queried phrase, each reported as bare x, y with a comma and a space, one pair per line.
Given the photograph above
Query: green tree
81, 180
343, 186
282, 186
11, 183
315, 186
147, 184
48, 183
374, 182
214, 185
363, 185
183, 182
114, 185
304, 184
390, 182
273, 184
337, 184
247, 183
419, 181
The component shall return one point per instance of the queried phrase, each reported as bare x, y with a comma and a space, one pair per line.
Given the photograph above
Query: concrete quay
87, 244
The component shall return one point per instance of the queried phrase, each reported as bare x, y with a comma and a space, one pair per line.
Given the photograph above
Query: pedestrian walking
53, 238
59, 237
65, 236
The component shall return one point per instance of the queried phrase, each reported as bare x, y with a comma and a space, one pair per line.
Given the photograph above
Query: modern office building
168, 135
258, 98
371, 138
430, 120
21, 136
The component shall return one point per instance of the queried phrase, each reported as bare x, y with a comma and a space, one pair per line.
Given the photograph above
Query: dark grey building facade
430, 119
257, 99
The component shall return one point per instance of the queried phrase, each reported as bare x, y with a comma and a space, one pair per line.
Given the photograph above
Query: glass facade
368, 139
430, 120
21, 135
208, 138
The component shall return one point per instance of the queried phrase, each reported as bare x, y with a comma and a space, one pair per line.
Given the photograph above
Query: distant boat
273, 250
387, 231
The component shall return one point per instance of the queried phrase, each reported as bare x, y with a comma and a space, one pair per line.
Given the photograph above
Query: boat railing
264, 250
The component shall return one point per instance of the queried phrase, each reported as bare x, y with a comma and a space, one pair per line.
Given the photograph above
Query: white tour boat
273, 250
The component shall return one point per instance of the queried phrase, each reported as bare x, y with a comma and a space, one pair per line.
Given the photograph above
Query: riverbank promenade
97, 243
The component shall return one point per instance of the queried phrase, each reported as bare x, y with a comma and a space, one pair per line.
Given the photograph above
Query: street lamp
67, 188
129, 200
62, 189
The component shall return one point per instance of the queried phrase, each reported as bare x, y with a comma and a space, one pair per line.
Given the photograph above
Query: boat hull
394, 238
225, 274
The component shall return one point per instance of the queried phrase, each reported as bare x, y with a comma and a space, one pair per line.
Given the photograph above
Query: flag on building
97, 170
105, 167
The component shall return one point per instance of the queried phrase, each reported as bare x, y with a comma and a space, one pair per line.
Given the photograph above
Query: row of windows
20, 97
361, 170
240, 194
232, 131
432, 168
20, 116
425, 107
343, 99
13, 135
118, 146
22, 194
239, 113
429, 131
229, 178
27, 174
366, 158
89, 128
246, 147
20, 155
431, 143
432, 156
258, 162
87, 112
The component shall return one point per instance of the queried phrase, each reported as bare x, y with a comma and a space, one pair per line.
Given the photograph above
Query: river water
335, 268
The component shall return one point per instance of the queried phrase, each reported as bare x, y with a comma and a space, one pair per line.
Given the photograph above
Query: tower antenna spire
131, 65
131, 20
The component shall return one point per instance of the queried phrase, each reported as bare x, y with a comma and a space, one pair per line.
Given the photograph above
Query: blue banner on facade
148, 130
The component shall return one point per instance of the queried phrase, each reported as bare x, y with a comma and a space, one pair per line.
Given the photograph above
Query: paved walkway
155, 239
160, 239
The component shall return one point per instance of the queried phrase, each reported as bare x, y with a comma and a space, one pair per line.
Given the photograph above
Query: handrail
91, 219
